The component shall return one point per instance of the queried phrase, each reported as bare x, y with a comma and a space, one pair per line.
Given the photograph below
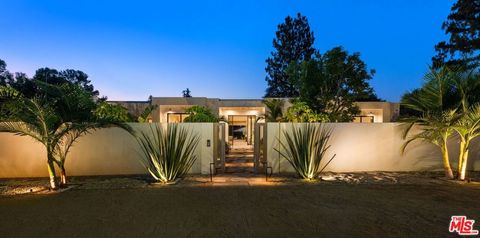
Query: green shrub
200, 114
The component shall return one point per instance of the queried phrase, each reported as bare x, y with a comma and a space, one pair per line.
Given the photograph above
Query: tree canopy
29, 87
331, 83
186, 93
462, 49
293, 42
200, 114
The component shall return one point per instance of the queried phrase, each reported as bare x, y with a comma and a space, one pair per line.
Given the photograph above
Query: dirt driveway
309, 210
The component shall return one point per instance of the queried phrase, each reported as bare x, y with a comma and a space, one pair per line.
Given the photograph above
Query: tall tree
293, 42
5, 75
332, 83
463, 26
55, 77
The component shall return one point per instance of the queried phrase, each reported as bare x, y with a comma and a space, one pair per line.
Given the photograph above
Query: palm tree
438, 114
274, 111
38, 120
434, 129
468, 128
72, 135
56, 119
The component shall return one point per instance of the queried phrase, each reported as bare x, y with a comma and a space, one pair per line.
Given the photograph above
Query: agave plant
169, 153
305, 148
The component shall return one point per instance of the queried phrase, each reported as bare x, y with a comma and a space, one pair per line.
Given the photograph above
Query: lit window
176, 117
363, 119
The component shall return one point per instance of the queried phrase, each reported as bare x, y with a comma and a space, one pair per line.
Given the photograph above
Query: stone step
233, 160
240, 165
238, 169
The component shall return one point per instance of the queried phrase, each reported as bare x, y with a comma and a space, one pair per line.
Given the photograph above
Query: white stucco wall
358, 147
109, 151
369, 147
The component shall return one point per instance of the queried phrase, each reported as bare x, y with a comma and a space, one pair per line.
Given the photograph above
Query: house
241, 114
172, 109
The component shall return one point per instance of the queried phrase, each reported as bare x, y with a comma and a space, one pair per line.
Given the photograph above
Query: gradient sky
134, 49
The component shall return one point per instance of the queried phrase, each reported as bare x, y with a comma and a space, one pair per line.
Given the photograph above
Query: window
176, 117
363, 119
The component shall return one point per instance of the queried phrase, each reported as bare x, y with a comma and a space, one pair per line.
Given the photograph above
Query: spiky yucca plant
305, 147
167, 154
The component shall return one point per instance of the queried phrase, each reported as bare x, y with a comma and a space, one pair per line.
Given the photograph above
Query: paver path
239, 161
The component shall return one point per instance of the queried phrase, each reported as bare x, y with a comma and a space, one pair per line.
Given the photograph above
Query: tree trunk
463, 171
460, 158
51, 173
446, 162
63, 175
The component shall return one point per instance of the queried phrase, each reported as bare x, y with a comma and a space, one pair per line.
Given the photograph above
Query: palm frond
22, 129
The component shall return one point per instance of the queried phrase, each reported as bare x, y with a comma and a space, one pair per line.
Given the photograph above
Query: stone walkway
239, 159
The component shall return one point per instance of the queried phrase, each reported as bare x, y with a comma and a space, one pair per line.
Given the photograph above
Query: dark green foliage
463, 47
114, 112
447, 103
146, 113
444, 89
200, 114
186, 93
293, 42
52, 76
330, 84
29, 86
301, 112
274, 111
5, 75
167, 154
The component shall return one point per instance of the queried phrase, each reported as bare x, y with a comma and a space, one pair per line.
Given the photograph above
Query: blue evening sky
134, 49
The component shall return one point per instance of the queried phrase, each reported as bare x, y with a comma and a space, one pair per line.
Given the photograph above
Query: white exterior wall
369, 147
109, 151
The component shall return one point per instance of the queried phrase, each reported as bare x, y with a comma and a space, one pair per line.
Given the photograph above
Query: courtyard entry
240, 130
239, 158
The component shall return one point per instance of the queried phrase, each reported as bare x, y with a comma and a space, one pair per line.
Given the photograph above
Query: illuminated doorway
240, 130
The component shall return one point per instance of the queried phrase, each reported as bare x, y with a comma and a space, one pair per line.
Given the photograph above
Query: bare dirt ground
344, 205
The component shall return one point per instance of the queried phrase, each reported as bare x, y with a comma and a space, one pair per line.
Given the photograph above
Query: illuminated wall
369, 147
359, 147
104, 152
